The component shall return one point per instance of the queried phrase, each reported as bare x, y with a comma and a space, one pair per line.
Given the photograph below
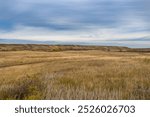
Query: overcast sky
75, 20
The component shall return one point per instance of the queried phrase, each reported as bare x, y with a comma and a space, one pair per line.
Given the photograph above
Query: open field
84, 74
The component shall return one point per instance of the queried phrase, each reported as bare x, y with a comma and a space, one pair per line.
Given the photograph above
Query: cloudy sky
125, 22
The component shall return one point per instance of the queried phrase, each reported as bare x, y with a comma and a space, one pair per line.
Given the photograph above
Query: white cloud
89, 34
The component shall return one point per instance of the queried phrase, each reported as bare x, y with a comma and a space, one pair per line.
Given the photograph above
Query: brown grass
90, 74
52, 48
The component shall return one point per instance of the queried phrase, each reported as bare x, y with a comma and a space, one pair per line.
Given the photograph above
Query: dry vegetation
84, 74
52, 48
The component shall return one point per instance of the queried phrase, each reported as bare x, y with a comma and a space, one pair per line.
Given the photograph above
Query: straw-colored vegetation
87, 74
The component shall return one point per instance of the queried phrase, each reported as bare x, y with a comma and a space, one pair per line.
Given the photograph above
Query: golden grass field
84, 74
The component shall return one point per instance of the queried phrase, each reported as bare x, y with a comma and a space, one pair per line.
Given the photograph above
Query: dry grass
51, 48
90, 74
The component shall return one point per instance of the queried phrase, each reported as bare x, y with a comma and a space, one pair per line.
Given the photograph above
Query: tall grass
29, 87
91, 75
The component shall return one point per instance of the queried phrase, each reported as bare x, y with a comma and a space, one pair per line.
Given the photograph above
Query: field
75, 74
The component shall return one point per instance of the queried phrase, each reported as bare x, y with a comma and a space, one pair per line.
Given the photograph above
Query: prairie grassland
90, 74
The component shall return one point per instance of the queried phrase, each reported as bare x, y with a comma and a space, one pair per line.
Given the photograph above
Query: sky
92, 21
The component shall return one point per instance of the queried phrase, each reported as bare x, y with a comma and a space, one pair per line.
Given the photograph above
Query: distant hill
20, 45
35, 47
147, 39
17, 41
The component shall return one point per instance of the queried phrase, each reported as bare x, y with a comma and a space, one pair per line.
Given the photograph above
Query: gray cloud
98, 19
82, 14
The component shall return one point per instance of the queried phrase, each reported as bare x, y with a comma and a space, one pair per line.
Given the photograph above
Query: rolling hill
20, 45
